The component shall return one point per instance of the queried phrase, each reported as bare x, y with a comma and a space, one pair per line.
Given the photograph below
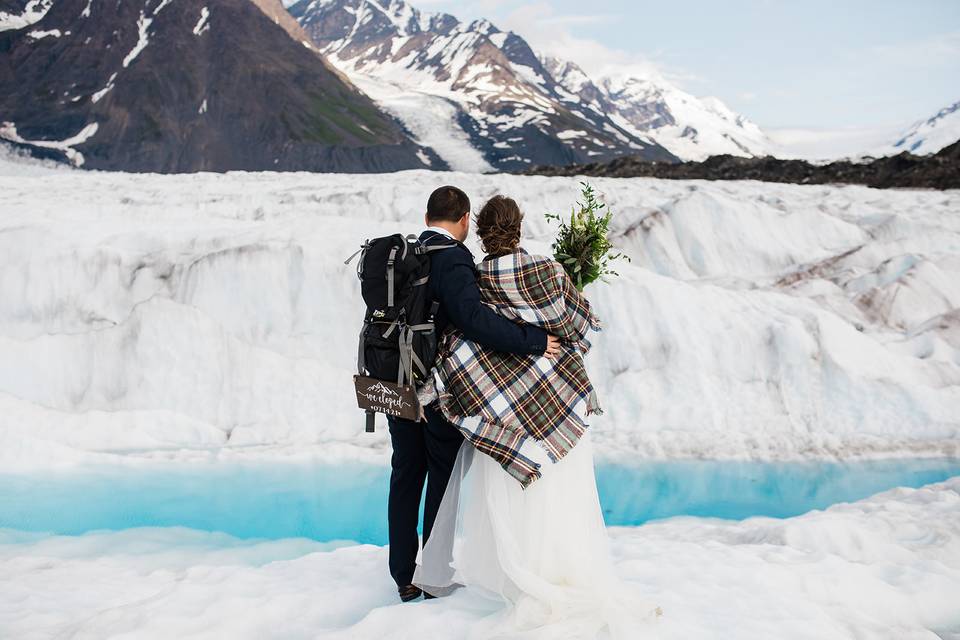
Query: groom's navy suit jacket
453, 283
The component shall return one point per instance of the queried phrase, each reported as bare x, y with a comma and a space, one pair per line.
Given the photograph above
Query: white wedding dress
543, 552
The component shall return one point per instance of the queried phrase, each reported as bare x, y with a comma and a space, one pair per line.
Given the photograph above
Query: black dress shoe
409, 592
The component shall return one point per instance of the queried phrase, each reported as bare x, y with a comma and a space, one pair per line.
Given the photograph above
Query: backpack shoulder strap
438, 247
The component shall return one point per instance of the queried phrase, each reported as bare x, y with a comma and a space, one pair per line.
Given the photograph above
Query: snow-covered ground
182, 314
883, 568
14, 162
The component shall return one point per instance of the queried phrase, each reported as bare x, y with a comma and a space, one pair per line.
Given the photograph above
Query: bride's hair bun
498, 225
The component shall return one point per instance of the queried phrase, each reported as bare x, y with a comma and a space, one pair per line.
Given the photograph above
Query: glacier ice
194, 312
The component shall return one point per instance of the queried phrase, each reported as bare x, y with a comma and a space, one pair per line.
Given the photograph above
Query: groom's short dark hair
447, 203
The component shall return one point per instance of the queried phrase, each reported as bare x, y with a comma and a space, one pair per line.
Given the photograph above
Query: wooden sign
387, 398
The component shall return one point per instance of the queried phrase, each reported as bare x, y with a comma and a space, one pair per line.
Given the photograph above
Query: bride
520, 521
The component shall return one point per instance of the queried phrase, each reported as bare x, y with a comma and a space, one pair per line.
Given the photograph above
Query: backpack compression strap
390, 277
408, 357
391, 261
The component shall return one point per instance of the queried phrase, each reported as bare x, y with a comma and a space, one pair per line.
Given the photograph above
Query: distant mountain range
483, 99
478, 96
186, 85
337, 85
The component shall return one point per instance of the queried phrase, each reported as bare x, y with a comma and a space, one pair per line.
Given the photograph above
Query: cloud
943, 48
557, 34
550, 33
818, 144
575, 20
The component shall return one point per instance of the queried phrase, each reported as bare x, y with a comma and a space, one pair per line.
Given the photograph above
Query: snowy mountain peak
692, 128
405, 18
393, 16
566, 73
930, 135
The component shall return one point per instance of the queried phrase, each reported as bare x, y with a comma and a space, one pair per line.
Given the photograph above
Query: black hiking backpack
398, 341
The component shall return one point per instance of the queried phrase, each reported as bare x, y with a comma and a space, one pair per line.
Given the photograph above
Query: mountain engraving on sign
387, 398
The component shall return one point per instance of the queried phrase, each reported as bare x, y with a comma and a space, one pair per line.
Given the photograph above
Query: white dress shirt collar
441, 230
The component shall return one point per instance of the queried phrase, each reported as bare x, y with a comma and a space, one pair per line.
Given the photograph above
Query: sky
805, 70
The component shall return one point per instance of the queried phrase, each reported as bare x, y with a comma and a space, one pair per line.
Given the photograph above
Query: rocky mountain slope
483, 99
905, 170
479, 96
187, 85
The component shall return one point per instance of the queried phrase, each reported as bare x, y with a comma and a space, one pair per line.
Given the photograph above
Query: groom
426, 450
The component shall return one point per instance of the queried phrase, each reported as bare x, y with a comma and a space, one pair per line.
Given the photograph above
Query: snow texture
431, 119
8, 131
14, 162
33, 12
202, 25
186, 313
886, 567
143, 29
50, 33
143, 39
96, 97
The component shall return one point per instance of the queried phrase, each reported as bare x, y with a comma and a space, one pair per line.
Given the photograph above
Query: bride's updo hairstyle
498, 226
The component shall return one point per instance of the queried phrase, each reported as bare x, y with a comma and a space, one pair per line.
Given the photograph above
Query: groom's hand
553, 346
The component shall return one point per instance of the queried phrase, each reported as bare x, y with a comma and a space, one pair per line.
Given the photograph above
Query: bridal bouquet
582, 245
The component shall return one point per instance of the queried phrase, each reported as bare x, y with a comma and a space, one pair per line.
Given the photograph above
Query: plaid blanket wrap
522, 410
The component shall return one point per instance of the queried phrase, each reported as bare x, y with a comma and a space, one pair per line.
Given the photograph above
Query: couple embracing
512, 511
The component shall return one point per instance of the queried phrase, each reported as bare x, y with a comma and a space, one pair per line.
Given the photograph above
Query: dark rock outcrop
187, 85
938, 171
